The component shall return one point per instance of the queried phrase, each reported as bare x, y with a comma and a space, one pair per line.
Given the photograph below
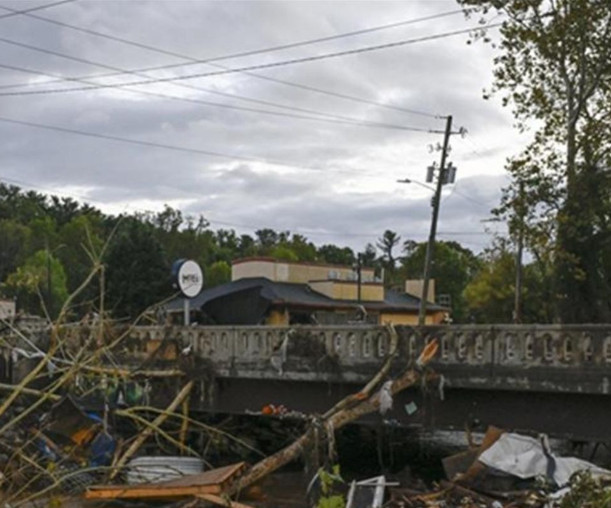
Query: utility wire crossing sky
350, 97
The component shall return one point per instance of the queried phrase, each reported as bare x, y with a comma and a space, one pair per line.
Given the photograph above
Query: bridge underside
572, 416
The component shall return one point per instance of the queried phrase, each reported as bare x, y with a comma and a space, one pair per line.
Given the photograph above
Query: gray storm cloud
338, 182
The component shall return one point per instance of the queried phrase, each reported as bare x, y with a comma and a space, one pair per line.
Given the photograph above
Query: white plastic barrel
150, 469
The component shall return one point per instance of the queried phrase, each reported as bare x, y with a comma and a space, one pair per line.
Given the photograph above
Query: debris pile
78, 418
509, 470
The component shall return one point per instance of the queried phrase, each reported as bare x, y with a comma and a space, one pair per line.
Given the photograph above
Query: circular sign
189, 278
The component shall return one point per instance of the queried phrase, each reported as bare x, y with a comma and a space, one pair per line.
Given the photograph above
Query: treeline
47, 247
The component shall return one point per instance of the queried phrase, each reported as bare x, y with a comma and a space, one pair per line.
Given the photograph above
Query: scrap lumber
477, 468
212, 482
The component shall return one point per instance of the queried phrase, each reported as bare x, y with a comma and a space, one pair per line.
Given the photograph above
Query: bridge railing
532, 357
509, 345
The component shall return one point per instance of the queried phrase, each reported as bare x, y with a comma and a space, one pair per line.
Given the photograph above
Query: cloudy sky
287, 147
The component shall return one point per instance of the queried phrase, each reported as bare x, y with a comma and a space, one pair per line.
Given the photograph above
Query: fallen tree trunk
335, 420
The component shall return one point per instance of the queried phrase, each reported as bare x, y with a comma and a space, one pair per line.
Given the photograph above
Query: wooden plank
149, 491
209, 482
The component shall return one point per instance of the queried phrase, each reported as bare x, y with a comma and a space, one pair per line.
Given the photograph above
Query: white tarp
524, 457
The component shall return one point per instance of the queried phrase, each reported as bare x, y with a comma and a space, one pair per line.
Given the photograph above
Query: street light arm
409, 180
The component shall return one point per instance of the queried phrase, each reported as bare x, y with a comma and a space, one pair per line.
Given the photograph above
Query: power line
175, 148
293, 61
194, 61
467, 197
282, 63
26, 12
239, 54
324, 117
152, 144
335, 118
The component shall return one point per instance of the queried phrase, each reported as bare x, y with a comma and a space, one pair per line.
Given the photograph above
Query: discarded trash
506, 470
158, 469
368, 493
386, 397
271, 409
69, 432
525, 457
411, 408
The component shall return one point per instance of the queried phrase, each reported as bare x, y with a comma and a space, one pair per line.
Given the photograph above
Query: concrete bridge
553, 379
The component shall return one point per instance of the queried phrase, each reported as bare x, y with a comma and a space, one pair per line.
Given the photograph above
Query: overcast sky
332, 181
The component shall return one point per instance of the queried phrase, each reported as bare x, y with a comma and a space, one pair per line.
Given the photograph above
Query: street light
409, 180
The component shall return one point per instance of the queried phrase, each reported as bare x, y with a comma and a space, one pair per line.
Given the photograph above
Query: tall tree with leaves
554, 68
137, 272
335, 255
452, 269
41, 280
386, 243
490, 293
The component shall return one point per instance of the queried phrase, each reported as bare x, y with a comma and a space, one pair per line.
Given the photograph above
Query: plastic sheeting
525, 457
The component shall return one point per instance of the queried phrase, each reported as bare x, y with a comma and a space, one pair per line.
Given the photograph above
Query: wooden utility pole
359, 280
431, 243
520, 209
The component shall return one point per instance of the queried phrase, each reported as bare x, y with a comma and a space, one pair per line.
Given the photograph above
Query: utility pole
358, 267
49, 294
517, 310
441, 177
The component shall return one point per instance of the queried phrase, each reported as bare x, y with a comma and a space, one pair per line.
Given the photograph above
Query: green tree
386, 244
266, 239
43, 234
336, 255
169, 220
284, 253
452, 268
62, 210
217, 273
42, 276
303, 249
15, 238
553, 67
246, 246
490, 295
80, 241
21, 206
368, 256
137, 272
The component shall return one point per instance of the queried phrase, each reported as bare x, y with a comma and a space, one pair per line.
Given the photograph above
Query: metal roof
299, 295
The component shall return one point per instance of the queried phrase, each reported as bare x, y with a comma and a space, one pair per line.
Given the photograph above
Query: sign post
187, 312
189, 279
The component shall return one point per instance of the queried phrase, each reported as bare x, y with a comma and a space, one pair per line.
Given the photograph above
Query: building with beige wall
267, 291
302, 272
